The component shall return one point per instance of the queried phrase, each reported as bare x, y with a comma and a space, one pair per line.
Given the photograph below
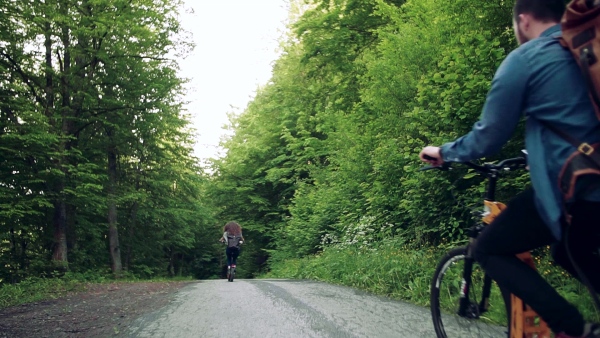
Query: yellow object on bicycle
491, 210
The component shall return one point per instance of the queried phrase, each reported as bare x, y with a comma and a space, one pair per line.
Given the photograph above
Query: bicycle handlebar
505, 165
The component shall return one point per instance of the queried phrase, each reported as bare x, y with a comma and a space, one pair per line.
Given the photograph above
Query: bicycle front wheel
459, 290
232, 274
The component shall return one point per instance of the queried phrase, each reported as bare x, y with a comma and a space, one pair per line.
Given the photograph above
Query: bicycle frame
491, 210
524, 322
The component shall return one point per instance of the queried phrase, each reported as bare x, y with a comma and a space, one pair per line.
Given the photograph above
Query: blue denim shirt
541, 81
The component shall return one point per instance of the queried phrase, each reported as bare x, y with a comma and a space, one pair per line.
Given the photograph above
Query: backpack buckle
585, 148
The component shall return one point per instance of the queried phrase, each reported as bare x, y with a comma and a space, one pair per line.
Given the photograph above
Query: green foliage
402, 271
390, 268
329, 145
33, 289
36, 289
322, 168
96, 164
95, 148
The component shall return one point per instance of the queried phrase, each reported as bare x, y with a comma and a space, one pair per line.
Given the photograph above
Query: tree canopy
95, 149
97, 170
326, 153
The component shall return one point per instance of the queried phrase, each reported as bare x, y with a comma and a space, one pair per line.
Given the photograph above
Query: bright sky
236, 44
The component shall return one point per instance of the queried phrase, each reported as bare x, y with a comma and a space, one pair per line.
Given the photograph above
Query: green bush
36, 289
401, 271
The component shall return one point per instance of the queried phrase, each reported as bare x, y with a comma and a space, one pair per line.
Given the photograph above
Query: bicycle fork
465, 287
466, 307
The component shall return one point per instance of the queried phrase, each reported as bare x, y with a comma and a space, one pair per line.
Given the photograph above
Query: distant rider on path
232, 236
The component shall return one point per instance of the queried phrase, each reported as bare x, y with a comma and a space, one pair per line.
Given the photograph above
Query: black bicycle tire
434, 300
436, 313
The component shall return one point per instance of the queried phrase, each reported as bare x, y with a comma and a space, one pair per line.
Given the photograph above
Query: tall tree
92, 120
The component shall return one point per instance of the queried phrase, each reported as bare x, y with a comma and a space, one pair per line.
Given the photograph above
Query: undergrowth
38, 289
403, 272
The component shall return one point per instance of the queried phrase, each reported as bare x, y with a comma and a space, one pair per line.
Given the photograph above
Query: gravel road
281, 308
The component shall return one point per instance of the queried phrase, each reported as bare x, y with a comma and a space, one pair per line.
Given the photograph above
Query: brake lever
516, 167
444, 167
427, 167
429, 158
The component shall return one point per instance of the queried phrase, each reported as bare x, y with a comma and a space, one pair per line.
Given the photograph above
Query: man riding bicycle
541, 80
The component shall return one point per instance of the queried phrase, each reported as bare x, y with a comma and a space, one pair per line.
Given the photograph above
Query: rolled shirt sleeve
501, 113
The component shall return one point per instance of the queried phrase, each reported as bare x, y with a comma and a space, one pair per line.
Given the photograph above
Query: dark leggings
232, 255
520, 228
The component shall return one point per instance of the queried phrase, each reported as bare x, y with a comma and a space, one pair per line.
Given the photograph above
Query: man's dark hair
542, 10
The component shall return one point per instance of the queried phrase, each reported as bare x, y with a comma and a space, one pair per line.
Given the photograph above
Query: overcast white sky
236, 43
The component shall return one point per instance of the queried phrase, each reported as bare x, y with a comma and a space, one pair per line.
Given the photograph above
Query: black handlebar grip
429, 158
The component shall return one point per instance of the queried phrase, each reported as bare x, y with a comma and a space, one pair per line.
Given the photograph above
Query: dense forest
96, 165
97, 173
326, 153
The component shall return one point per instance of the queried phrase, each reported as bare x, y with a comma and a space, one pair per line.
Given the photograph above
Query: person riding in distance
540, 80
232, 236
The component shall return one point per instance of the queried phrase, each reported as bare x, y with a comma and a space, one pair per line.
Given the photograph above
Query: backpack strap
582, 147
587, 58
592, 3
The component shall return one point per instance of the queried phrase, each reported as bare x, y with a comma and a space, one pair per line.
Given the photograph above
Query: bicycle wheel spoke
445, 300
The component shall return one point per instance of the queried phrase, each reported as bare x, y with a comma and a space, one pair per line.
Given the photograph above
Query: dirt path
102, 310
265, 308
258, 308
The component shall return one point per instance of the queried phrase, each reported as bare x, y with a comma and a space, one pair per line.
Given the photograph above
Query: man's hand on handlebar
432, 156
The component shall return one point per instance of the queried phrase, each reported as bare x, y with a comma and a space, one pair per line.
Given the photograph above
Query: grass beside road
405, 273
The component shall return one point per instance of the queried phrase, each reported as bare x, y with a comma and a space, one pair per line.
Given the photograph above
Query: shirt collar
551, 30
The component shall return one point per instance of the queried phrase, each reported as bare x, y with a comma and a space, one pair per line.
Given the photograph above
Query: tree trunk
71, 228
49, 90
113, 232
132, 224
59, 249
180, 266
59, 252
24, 263
171, 268
13, 254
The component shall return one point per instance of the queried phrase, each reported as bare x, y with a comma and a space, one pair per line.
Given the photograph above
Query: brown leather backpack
580, 27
